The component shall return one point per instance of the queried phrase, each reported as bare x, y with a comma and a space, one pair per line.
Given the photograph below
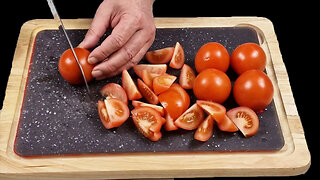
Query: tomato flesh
160, 56
245, 119
205, 130
191, 118
227, 125
177, 60
169, 125
147, 93
130, 87
148, 122
217, 111
187, 77
69, 68
151, 68
162, 83
113, 90
160, 109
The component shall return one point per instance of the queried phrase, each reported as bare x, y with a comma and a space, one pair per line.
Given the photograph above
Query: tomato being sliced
116, 111
113, 90
205, 130
160, 109
160, 56
69, 69
148, 121
162, 83
173, 103
227, 125
191, 118
147, 93
151, 68
245, 119
129, 86
217, 111
187, 77
177, 60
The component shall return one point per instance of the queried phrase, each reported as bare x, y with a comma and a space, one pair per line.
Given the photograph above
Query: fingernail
96, 73
92, 60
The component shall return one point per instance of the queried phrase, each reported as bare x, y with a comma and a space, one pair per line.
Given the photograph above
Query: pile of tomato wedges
160, 99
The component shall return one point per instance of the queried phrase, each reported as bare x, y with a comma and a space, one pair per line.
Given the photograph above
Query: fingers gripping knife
57, 17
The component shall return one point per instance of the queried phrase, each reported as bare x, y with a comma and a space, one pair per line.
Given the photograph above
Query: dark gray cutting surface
58, 119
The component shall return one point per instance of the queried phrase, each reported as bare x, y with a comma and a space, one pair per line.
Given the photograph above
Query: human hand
132, 35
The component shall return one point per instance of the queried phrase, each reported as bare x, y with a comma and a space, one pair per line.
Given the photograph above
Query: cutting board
42, 141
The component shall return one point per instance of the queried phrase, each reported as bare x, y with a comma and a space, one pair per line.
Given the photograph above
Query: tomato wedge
151, 68
205, 130
129, 86
227, 125
148, 77
113, 90
113, 112
191, 118
169, 125
216, 110
187, 77
147, 93
245, 119
160, 109
160, 56
173, 103
148, 121
177, 60
162, 83
184, 95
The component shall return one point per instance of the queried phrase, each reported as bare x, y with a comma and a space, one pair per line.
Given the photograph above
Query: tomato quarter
191, 118
177, 60
148, 121
69, 69
130, 87
253, 89
113, 90
248, 56
160, 56
187, 77
162, 83
147, 93
245, 119
212, 55
205, 130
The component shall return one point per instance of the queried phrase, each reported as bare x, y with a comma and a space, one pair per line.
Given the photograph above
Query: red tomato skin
213, 85
69, 68
178, 57
212, 55
205, 130
113, 90
187, 77
147, 93
253, 89
248, 56
160, 56
173, 103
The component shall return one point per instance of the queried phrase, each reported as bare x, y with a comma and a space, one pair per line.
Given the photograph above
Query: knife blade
57, 17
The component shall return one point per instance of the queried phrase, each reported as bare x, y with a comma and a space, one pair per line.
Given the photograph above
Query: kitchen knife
57, 17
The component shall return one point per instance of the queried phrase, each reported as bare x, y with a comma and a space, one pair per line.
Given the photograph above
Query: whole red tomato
212, 55
253, 89
248, 56
69, 68
213, 85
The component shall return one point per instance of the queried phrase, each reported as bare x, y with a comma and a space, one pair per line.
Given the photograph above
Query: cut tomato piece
205, 130
129, 86
187, 77
177, 60
160, 109
148, 77
173, 103
113, 112
160, 56
148, 121
227, 125
184, 95
151, 68
245, 119
216, 110
162, 83
113, 90
191, 118
103, 114
169, 125
147, 93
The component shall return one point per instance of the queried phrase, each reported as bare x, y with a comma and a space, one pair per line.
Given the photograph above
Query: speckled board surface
59, 119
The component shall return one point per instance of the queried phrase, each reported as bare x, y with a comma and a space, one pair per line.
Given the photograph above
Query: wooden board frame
293, 159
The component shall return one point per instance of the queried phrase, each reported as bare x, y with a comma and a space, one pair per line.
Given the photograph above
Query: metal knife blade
57, 17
